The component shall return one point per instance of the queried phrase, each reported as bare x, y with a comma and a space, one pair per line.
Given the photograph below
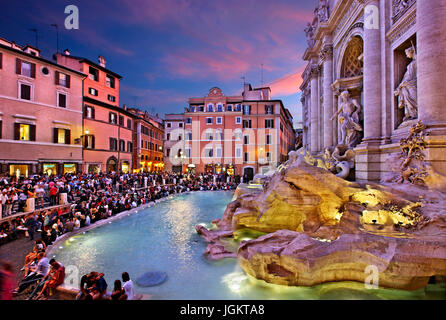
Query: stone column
431, 60
372, 72
327, 57
314, 109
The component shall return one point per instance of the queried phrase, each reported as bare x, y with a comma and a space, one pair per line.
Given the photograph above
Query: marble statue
407, 90
339, 161
309, 32
322, 11
349, 110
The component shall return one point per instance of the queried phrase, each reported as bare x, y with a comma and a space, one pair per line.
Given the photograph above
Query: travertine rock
322, 228
292, 258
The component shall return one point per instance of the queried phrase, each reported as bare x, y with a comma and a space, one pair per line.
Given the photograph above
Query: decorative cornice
403, 24
400, 7
313, 71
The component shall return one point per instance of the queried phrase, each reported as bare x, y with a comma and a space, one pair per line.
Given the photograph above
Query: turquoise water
163, 238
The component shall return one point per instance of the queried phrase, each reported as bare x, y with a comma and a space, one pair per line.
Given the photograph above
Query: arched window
210, 107
352, 65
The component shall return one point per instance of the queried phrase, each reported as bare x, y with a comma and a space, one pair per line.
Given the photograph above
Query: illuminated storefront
125, 167
19, 170
230, 170
69, 168
49, 169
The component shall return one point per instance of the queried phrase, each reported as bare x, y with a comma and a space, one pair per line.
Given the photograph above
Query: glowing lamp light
87, 131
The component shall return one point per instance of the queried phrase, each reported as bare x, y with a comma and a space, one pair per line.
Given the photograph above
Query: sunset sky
170, 50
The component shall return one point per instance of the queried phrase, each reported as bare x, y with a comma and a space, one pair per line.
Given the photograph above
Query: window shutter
85, 112
18, 66
16, 131
68, 80
92, 142
32, 132
92, 112
56, 77
110, 117
55, 135
68, 136
33, 70
1, 59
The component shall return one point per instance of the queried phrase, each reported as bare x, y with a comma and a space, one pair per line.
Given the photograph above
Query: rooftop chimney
102, 61
66, 52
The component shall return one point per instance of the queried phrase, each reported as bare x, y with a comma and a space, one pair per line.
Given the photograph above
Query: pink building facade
107, 137
237, 135
40, 113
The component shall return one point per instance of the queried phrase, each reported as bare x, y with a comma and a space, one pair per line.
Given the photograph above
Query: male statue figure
349, 110
407, 90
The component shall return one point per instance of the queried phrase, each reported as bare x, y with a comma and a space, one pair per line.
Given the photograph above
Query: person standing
128, 286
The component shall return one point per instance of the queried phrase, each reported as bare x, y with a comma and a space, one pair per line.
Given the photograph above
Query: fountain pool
163, 238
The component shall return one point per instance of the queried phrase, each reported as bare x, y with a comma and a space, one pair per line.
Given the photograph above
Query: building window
129, 146
62, 136
62, 79
246, 157
25, 91
121, 121
219, 120
180, 137
281, 127
209, 136
89, 141
23, 131
168, 137
167, 152
229, 107
188, 120
109, 81
168, 125
268, 139
93, 74
111, 98
246, 109
188, 136
269, 123
188, 151
93, 91
238, 120
219, 152
180, 124
192, 109
113, 144
219, 108
245, 139
268, 156
210, 108
269, 109
26, 69
238, 107
209, 121
61, 100
129, 124
201, 108
112, 117
238, 136
89, 112
209, 153
219, 135
247, 123
238, 152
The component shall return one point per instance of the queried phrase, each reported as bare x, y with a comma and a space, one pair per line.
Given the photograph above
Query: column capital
326, 52
313, 71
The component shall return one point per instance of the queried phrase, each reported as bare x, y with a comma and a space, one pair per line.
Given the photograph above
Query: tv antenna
37, 36
57, 35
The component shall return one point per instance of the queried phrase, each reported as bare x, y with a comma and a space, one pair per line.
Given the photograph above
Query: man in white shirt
37, 272
128, 286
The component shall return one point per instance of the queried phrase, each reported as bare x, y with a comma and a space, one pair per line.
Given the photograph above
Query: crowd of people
90, 198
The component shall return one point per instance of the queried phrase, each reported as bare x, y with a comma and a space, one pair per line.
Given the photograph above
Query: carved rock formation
322, 228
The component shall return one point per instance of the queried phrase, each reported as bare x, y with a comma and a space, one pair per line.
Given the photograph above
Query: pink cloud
287, 85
